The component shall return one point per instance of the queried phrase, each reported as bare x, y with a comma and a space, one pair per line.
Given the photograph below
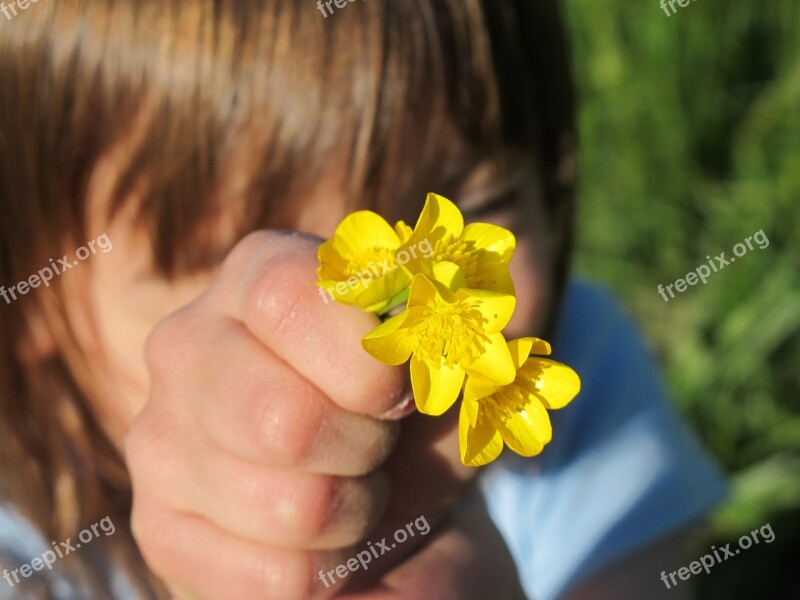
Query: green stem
397, 300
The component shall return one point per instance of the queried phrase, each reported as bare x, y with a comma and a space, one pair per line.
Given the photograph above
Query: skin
257, 457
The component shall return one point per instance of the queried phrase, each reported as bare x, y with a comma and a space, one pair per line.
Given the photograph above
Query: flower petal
494, 307
493, 277
439, 224
522, 348
495, 364
423, 292
350, 293
553, 383
403, 231
435, 388
478, 387
331, 263
492, 247
363, 231
450, 275
377, 292
528, 430
390, 342
479, 444
492, 239
540, 347
470, 409
439, 212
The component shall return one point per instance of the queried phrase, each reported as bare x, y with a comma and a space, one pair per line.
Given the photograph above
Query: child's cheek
529, 283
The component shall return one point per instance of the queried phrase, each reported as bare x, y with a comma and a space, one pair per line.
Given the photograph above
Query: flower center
513, 398
451, 334
460, 252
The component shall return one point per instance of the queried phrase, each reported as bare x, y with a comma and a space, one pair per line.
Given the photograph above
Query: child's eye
490, 206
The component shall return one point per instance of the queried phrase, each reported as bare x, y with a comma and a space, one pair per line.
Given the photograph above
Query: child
263, 449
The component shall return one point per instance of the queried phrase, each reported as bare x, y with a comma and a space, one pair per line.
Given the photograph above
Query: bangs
224, 114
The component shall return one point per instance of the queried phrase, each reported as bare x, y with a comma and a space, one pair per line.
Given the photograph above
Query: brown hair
238, 106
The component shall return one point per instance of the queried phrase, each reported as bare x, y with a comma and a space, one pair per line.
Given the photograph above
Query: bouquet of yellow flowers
455, 289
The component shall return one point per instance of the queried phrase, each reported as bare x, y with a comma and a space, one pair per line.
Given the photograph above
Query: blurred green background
690, 130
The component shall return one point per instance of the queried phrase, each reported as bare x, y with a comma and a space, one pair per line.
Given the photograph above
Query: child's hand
257, 460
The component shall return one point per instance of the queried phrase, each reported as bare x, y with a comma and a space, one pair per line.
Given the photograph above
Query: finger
200, 559
289, 509
255, 405
274, 294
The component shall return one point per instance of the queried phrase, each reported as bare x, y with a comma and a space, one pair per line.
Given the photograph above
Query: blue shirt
621, 471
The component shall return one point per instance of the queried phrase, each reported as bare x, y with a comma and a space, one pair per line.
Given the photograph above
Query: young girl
191, 382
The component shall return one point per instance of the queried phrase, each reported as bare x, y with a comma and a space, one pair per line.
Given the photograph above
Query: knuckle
287, 576
367, 447
256, 489
132, 454
149, 450
163, 347
306, 512
362, 502
280, 296
137, 446
374, 381
287, 429
150, 527
381, 445
321, 508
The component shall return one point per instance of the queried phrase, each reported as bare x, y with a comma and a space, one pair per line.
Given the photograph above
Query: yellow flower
482, 251
359, 265
515, 413
458, 295
447, 335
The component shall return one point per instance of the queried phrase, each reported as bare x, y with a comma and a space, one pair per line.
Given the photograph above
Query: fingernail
403, 409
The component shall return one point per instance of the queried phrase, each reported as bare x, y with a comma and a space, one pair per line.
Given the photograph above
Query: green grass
690, 132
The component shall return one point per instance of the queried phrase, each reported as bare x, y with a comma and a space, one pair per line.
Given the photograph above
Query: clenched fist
270, 449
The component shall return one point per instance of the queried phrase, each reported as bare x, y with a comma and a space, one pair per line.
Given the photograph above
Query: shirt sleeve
621, 471
30, 569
